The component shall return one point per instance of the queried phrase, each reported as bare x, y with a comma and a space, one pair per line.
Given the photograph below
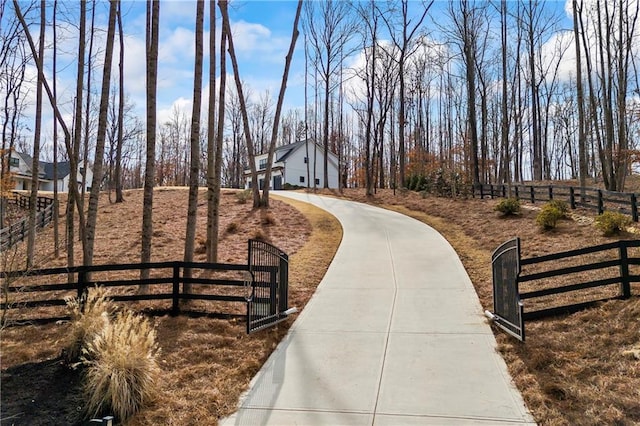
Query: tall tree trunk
194, 167
92, 213
219, 141
118, 172
153, 19
33, 199
276, 118
56, 205
243, 105
213, 179
582, 142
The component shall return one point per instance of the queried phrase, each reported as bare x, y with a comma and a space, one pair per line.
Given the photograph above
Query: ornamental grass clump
89, 316
508, 206
121, 373
612, 223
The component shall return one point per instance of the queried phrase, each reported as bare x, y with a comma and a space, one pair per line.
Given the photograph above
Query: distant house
20, 166
290, 166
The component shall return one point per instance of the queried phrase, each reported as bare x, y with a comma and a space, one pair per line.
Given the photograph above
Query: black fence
596, 199
595, 274
225, 290
20, 230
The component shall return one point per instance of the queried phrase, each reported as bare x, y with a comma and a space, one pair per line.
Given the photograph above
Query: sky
261, 31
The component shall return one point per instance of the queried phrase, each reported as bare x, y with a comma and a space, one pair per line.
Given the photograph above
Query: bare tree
331, 26
121, 100
192, 208
276, 118
402, 40
33, 205
215, 176
153, 19
243, 106
92, 213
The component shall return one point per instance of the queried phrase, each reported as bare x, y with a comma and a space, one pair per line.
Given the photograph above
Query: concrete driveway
394, 335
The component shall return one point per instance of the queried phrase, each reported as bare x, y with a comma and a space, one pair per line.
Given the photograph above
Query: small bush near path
612, 223
549, 216
508, 206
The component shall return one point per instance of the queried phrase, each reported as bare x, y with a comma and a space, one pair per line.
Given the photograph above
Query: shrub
562, 206
549, 216
611, 223
243, 196
232, 228
86, 322
122, 372
508, 206
268, 219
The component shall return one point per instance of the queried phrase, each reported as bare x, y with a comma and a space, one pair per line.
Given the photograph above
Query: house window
317, 181
306, 160
263, 164
301, 179
13, 162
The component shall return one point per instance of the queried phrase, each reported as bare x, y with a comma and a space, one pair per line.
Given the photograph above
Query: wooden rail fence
596, 199
20, 230
591, 275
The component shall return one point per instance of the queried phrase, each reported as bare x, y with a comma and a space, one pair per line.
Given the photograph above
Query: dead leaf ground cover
206, 363
574, 369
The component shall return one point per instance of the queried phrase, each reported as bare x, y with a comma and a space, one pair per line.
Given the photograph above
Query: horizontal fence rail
257, 291
596, 199
20, 230
582, 277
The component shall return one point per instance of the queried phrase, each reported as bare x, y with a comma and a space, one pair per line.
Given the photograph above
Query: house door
277, 182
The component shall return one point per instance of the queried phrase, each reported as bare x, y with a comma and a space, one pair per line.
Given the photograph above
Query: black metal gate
507, 307
267, 302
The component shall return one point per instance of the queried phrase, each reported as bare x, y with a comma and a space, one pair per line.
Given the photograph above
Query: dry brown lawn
580, 369
575, 369
206, 363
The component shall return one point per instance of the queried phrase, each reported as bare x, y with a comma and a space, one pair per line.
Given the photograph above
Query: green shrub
611, 223
121, 370
562, 206
508, 206
549, 216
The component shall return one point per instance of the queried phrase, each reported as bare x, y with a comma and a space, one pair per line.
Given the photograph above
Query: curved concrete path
394, 335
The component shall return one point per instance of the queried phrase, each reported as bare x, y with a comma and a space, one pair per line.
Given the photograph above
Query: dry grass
578, 369
121, 371
205, 363
575, 369
89, 317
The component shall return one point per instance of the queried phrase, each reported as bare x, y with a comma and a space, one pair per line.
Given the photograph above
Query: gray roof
45, 169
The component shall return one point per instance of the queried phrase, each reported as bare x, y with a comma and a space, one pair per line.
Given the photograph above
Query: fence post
284, 283
175, 305
491, 189
550, 192
572, 197
533, 197
82, 282
504, 191
517, 192
625, 284
481, 191
634, 207
600, 202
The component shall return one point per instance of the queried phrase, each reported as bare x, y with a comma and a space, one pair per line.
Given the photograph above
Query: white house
290, 166
20, 166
